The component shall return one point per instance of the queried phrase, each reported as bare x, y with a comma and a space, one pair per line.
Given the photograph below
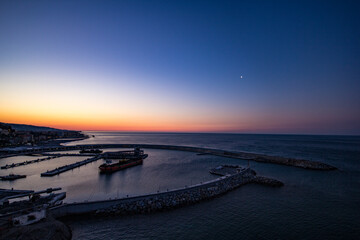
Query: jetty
7, 166
160, 201
65, 168
70, 154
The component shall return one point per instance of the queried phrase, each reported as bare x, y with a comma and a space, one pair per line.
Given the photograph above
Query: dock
66, 168
70, 154
29, 162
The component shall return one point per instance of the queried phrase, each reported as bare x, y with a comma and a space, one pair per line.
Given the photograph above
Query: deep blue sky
299, 60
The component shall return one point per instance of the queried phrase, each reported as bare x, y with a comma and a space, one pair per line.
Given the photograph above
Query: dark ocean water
311, 205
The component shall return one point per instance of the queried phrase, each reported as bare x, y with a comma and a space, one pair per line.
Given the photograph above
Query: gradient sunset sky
177, 65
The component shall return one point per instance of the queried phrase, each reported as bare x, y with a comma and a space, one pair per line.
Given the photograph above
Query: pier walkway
70, 154
65, 168
29, 162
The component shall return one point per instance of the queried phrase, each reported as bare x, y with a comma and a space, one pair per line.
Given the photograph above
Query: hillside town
11, 136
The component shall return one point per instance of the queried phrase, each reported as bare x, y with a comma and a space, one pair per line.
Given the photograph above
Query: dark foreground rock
47, 229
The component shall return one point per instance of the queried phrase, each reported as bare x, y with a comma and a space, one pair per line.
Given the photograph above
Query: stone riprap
163, 200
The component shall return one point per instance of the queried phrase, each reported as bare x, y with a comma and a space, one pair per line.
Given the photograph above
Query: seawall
159, 201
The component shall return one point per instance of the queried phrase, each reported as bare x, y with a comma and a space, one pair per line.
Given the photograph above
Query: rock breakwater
267, 181
175, 199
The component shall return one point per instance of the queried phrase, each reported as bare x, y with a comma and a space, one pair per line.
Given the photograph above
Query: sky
288, 67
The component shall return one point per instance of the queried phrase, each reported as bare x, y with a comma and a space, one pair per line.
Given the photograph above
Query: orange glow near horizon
83, 102
88, 123
48, 100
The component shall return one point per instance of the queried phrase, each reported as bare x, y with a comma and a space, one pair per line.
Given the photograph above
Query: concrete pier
65, 168
70, 154
29, 162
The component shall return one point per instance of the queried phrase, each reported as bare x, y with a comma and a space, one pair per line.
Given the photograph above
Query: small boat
29, 218
11, 177
91, 151
5, 167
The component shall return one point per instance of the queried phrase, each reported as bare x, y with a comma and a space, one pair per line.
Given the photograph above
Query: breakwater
65, 168
301, 163
160, 201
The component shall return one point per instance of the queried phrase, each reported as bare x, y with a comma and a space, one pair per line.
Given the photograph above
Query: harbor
129, 192
27, 212
221, 178
231, 177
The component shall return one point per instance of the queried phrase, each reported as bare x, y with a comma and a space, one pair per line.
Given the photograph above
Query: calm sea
311, 205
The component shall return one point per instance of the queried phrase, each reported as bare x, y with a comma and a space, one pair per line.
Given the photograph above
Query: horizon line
244, 133
195, 132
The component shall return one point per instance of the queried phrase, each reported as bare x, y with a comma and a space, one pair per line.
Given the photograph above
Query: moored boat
12, 177
136, 158
90, 151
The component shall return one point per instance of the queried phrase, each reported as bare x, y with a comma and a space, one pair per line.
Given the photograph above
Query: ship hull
109, 168
117, 167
